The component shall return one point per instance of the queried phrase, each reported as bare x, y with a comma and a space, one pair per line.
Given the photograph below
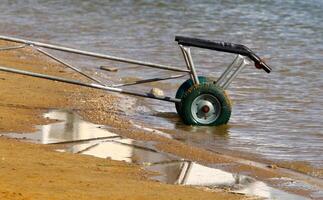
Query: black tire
220, 104
184, 87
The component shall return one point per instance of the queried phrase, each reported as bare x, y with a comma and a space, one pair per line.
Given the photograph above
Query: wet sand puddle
194, 174
79, 136
69, 128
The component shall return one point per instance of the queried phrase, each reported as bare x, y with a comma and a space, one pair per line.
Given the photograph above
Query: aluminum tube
235, 74
189, 63
193, 72
185, 57
12, 47
90, 85
149, 80
186, 61
228, 70
97, 55
70, 66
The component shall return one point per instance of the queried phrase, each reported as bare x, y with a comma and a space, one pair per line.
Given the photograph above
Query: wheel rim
205, 109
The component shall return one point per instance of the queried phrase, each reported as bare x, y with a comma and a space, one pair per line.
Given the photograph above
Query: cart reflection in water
68, 128
174, 170
194, 174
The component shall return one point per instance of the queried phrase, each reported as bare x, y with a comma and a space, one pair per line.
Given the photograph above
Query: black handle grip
225, 47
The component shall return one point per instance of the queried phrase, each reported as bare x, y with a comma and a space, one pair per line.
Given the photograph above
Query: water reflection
69, 128
173, 170
215, 131
191, 173
82, 137
127, 150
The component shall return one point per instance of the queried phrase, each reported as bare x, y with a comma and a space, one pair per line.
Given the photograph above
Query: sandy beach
31, 171
34, 171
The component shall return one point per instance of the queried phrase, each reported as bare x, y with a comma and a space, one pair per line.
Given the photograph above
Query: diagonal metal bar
89, 85
243, 63
97, 55
70, 66
237, 60
149, 80
12, 47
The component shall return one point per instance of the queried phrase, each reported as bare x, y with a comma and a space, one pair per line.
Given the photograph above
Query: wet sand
31, 171
56, 175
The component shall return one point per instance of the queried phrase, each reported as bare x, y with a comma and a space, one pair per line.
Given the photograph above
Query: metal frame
90, 85
230, 74
70, 66
92, 54
12, 47
189, 63
224, 81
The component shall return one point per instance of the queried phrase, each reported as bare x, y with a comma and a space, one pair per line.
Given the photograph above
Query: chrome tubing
235, 73
70, 66
93, 54
89, 85
189, 63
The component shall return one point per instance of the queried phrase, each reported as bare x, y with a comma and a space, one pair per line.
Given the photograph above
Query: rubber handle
224, 47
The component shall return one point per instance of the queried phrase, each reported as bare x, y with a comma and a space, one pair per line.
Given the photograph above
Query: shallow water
277, 116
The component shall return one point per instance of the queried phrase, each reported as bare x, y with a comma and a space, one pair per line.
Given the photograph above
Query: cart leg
189, 63
230, 73
235, 74
235, 62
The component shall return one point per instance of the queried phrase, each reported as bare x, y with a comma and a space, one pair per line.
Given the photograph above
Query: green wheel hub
205, 104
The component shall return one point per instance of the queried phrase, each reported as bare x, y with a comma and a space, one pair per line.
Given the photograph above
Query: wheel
184, 87
205, 104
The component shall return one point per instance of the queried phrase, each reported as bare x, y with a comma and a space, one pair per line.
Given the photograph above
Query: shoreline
34, 171
25, 100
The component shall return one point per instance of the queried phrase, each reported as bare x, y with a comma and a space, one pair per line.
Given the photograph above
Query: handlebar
225, 47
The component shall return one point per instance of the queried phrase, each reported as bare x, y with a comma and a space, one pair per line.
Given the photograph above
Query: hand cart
198, 101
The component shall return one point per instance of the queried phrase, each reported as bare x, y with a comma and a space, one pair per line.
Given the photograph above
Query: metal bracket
189, 63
